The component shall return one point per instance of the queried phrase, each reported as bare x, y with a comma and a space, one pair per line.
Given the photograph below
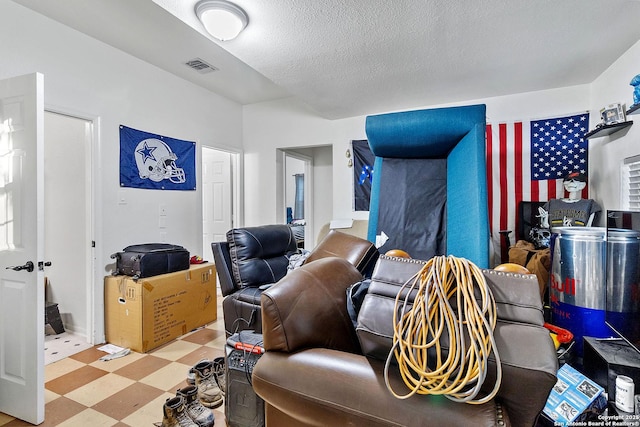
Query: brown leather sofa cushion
359, 252
516, 297
524, 345
322, 387
285, 323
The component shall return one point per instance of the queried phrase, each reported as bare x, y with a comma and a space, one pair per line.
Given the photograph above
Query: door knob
28, 266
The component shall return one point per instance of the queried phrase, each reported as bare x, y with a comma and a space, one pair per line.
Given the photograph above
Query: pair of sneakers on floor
209, 377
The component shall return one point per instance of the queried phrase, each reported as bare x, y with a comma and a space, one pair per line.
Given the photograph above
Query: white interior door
22, 242
217, 198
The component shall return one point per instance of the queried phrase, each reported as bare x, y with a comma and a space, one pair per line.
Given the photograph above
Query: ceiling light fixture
222, 19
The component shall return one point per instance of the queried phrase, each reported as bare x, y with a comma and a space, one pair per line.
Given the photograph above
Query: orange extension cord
431, 320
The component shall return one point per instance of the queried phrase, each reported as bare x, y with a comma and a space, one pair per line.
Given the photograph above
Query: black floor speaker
243, 407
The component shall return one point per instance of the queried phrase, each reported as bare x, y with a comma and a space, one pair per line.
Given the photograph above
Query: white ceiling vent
200, 66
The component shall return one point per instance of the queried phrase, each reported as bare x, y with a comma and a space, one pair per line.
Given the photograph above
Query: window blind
631, 183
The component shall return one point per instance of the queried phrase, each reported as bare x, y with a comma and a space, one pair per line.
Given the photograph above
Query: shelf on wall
607, 129
634, 109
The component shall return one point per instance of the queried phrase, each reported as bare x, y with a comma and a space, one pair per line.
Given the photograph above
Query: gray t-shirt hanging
562, 214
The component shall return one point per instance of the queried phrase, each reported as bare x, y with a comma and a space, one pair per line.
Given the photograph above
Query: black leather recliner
254, 258
251, 259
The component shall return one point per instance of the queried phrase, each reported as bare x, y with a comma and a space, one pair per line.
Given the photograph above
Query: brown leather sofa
313, 372
253, 258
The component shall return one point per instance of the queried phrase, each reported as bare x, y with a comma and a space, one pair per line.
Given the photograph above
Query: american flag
527, 162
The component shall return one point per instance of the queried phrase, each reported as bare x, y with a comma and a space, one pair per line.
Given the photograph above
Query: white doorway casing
68, 219
293, 166
291, 163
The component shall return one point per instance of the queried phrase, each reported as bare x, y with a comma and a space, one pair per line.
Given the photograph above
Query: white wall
286, 123
323, 167
89, 77
607, 154
270, 126
95, 80
267, 127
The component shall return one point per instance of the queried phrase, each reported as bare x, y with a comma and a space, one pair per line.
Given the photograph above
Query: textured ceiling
347, 58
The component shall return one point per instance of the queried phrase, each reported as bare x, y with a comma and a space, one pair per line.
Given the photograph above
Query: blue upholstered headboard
456, 135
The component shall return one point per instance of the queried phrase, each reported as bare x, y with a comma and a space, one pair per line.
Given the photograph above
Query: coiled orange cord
430, 322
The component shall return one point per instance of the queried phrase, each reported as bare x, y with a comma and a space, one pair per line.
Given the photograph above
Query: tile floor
61, 346
81, 390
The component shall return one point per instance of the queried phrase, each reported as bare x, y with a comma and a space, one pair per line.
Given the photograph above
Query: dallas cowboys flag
156, 162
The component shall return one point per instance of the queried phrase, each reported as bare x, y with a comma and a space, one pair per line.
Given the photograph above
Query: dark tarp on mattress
413, 214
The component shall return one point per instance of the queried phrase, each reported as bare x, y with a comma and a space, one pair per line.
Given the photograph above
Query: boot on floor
208, 391
220, 373
199, 414
175, 414
191, 375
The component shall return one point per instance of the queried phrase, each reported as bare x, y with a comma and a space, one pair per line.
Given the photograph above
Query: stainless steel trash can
623, 280
577, 289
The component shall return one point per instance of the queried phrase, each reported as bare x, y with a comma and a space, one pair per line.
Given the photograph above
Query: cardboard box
146, 313
574, 398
